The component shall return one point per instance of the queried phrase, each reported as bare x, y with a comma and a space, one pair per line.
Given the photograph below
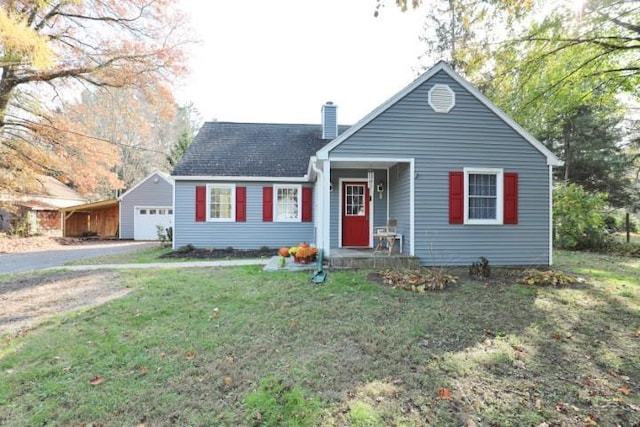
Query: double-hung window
287, 206
483, 196
221, 202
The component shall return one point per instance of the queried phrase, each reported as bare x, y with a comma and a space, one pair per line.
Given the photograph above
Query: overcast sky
280, 60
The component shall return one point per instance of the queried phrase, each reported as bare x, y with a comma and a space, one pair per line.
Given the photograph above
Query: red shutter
307, 203
510, 198
456, 197
267, 204
241, 204
201, 203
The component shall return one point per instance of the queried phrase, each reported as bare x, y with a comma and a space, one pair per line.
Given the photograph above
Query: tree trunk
7, 85
567, 134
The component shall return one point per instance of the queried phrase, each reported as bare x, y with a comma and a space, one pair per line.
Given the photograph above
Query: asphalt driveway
31, 261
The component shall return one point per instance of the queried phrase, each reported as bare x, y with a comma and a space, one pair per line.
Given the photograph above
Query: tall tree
142, 123
51, 48
567, 96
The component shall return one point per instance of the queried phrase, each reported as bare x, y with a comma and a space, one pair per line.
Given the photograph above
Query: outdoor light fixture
380, 188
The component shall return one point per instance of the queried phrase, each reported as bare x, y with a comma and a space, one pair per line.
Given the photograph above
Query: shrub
577, 219
165, 235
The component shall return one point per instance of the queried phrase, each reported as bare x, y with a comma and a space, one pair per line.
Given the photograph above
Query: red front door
355, 214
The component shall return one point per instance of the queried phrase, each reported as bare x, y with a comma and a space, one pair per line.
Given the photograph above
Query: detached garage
145, 206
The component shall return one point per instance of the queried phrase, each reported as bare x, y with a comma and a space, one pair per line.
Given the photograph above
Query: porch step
377, 261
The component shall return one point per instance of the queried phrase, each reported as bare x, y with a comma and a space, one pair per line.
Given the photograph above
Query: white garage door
146, 219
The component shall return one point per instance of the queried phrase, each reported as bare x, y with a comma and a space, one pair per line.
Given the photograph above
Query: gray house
145, 206
461, 179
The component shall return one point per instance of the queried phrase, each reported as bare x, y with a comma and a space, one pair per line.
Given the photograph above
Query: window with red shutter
241, 204
201, 203
456, 197
307, 204
510, 198
267, 204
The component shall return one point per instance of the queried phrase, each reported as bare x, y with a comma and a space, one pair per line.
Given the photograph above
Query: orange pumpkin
303, 245
284, 251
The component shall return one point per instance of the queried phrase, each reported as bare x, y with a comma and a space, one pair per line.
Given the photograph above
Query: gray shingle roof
251, 149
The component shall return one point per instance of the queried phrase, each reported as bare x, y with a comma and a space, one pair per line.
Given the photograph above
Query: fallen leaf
560, 407
96, 380
539, 405
624, 390
543, 425
471, 423
144, 370
293, 323
216, 313
66, 368
556, 336
190, 355
591, 419
444, 393
163, 355
228, 380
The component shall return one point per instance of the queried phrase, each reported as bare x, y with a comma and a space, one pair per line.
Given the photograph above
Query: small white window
483, 196
287, 203
220, 202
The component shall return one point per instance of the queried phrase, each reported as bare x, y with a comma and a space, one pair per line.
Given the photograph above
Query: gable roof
52, 188
552, 160
251, 150
162, 175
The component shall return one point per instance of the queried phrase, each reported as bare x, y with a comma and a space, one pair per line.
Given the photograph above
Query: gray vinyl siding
252, 234
379, 205
470, 135
148, 193
399, 201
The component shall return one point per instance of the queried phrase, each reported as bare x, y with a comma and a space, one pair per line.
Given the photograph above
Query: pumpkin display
284, 252
303, 245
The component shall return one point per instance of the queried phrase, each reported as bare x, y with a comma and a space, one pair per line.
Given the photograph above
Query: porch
368, 258
359, 196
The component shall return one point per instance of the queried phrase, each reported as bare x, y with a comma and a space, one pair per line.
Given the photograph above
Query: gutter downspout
319, 216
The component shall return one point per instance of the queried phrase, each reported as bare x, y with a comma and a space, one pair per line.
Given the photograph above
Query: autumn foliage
50, 52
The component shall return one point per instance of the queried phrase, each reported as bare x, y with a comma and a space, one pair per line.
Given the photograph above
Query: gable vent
442, 98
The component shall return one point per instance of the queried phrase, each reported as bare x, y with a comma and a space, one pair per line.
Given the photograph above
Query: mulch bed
195, 253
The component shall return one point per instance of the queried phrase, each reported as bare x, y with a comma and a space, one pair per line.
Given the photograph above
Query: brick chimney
329, 120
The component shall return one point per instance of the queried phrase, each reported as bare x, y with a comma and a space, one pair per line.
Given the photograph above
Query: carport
99, 219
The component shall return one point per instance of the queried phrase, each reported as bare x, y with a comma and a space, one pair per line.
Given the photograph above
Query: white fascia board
373, 159
241, 178
552, 160
162, 175
311, 174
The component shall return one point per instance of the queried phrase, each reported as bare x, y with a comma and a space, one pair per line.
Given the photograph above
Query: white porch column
325, 207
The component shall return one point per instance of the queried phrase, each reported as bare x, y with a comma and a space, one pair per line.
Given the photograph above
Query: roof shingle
251, 150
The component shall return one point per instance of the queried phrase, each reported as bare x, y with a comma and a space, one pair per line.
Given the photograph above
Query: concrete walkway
178, 264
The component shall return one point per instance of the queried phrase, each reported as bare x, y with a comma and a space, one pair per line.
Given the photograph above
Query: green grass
197, 346
143, 256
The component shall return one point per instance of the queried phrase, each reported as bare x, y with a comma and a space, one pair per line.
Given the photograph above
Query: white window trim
277, 187
233, 202
499, 196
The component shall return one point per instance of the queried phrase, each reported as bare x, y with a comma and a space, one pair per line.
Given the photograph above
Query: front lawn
237, 346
